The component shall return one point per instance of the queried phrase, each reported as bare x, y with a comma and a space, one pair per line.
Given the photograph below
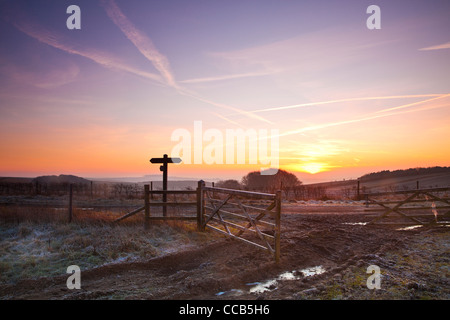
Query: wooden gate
425, 206
244, 216
251, 217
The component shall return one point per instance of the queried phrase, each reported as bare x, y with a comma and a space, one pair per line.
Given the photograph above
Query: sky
337, 99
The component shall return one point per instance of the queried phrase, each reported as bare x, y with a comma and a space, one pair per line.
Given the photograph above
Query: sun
312, 167
309, 167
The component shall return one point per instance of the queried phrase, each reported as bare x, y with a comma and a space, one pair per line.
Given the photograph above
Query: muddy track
307, 241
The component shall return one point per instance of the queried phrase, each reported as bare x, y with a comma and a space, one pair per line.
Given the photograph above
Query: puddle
312, 271
270, 285
285, 276
232, 292
265, 286
409, 228
444, 224
355, 223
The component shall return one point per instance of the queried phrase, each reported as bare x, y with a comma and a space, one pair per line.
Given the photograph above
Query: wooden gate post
277, 226
165, 160
147, 206
200, 206
151, 189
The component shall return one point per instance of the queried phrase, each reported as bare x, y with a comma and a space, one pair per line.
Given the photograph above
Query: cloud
44, 79
56, 40
437, 47
309, 53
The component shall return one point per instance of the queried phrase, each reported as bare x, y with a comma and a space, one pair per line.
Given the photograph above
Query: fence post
200, 206
151, 189
70, 202
147, 206
277, 226
357, 193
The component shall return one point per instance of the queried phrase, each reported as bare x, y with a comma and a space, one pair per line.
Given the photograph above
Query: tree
228, 184
270, 183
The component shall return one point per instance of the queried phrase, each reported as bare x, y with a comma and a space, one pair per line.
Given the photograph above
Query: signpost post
165, 160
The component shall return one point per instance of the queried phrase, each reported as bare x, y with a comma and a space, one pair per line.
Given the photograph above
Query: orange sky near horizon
423, 144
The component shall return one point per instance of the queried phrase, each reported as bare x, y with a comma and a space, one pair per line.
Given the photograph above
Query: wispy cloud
48, 78
437, 47
307, 55
56, 40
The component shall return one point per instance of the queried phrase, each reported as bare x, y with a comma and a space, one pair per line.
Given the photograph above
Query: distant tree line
291, 187
285, 181
402, 173
288, 183
91, 189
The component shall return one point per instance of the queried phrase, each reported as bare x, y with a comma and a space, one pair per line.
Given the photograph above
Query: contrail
438, 47
228, 120
140, 40
225, 106
344, 100
160, 62
227, 77
413, 104
371, 116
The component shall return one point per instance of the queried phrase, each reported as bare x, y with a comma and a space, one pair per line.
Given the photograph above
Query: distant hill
15, 180
407, 179
62, 178
412, 172
146, 179
394, 180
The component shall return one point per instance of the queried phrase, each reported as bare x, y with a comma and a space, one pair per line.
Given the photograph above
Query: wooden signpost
165, 160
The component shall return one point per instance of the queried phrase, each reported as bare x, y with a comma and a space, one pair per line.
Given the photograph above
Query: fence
264, 234
148, 203
425, 202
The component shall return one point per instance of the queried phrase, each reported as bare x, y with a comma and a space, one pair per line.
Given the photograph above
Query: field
325, 252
